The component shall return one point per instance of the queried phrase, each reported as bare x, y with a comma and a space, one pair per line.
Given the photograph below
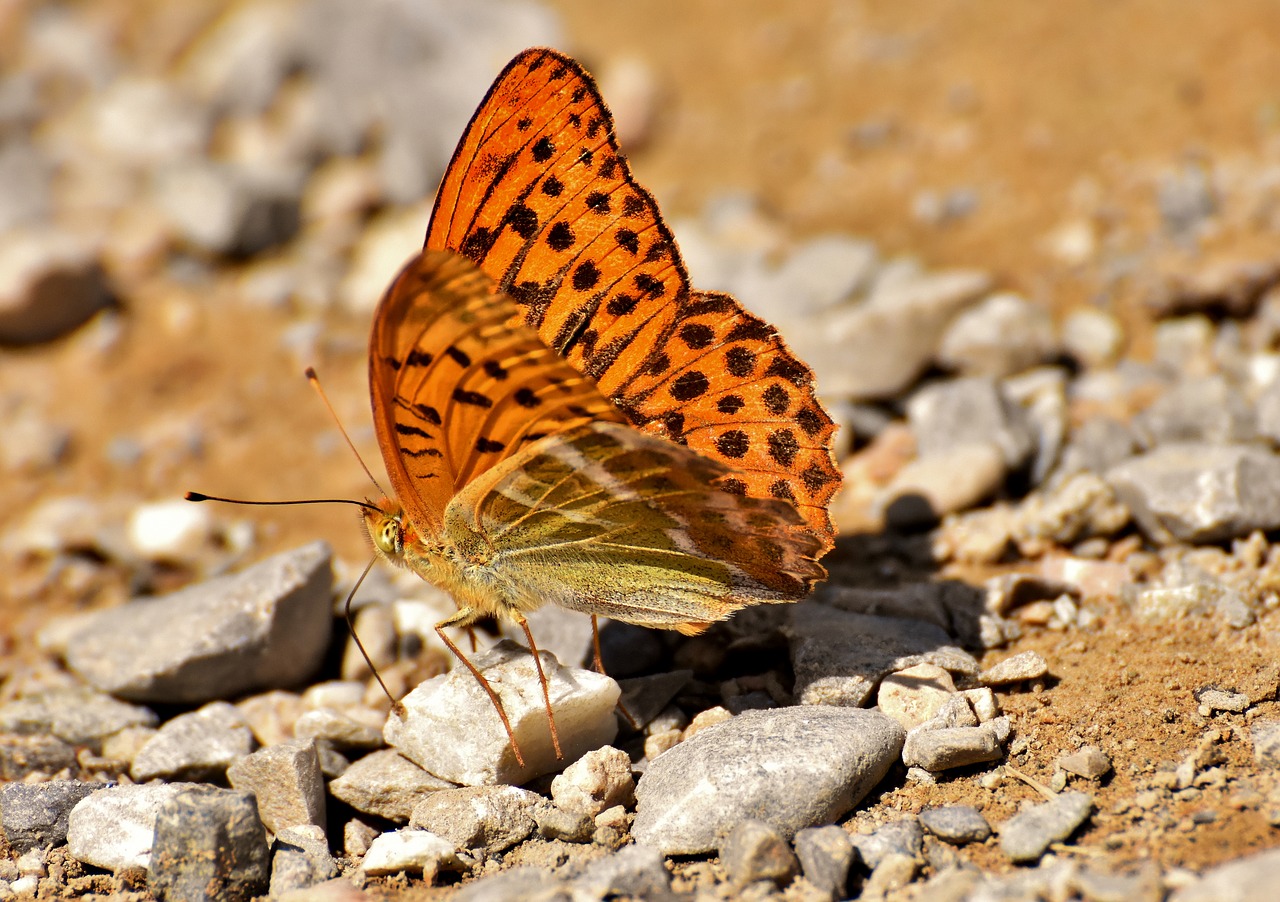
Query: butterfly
563, 418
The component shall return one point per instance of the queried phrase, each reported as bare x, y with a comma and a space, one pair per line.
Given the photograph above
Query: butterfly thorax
461, 569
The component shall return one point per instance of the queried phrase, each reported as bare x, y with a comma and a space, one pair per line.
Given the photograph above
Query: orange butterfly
563, 418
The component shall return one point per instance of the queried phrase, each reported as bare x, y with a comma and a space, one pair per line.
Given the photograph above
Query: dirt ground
838, 116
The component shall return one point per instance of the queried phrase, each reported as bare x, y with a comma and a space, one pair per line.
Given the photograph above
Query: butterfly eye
387, 537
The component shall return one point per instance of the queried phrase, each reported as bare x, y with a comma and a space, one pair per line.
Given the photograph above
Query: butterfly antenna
201, 496
396, 708
315, 383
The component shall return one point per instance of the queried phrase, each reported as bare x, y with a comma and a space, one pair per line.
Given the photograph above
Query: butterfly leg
542, 678
598, 663
465, 617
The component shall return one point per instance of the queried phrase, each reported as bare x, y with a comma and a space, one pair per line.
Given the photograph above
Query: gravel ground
1030, 253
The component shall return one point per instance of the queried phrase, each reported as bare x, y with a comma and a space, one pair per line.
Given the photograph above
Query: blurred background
199, 199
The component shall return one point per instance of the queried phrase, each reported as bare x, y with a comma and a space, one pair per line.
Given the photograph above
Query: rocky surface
1054, 576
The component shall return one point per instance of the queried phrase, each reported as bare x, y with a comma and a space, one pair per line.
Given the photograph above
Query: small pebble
1026, 835
755, 851
956, 824
1027, 665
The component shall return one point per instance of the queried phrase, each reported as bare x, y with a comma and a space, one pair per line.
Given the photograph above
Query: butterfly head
386, 523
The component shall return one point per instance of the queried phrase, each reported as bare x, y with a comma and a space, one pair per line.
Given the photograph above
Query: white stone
174, 530
452, 729
385, 246
914, 695
410, 851
115, 827
598, 780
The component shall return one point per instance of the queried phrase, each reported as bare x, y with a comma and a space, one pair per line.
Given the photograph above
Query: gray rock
826, 854
1213, 699
914, 695
1077, 507
209, 843
564, 633
483, 819
1185, 199
637, 871
1042, 394
1096, 445
944, 482
1249, 879
902, 837
416, 851
198, 746
598, 780
1265, 736
754, 851
527, 883
78, 716
266, 627
387, 784
999, 336
452, 730
839, 656
570, 826
645, 697
300, 859
1025, 836
115, 827
21, 756
878, 348
1206, 409
1088, 761
944, 415
287, 783
337, 729
937, 750
35, 815
1026, 665
1201, 493
956, 824
50, 283
790, 767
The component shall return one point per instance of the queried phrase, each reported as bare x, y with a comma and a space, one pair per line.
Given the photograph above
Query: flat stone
598, 780
637, 871
1201, 493
209, 843
22, 755
1001, 335
956, 824
114, 828
483, 819
1088, 761
901, 837
839, 657
1205, 409
339, 730
1026, 665
412, 851
915, 694
78, 716
1248, 879
50, 282
300, 859
386, 784
452, 729
755, 851
287, 783
946, 415
944, 482
570, 826
646, 697
826, 854
1025, 836
198, 746
526, 883
790, 767
938, 750
1213, 699
265, 627
34, 815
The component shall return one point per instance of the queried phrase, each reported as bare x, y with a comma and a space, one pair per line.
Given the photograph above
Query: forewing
458, 383
607, 520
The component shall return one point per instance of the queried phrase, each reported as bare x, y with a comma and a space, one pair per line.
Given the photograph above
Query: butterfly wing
539, 196
607, 520
458, 383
